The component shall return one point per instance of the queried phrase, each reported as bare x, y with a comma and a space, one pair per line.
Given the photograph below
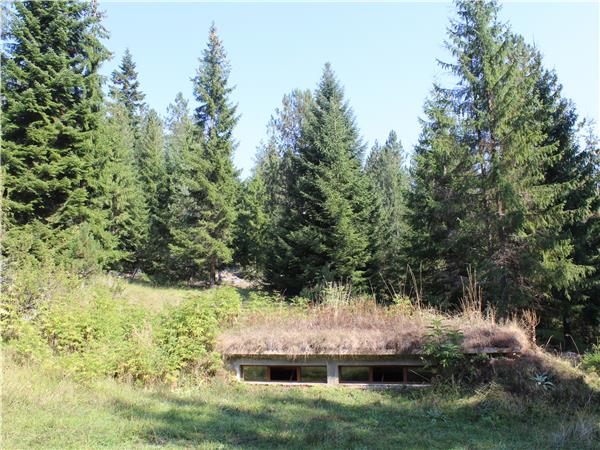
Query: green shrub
225, 303
260, 301
141, 358
443, 354
442, 347
188, 332
29, 345
89, 330
76, 325
30, 282
590, 362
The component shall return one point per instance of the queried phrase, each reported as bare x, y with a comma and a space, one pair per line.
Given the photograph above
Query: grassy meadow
42, 409
55, 401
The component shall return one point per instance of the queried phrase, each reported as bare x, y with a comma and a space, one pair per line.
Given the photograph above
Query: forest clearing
436, 289
65, 399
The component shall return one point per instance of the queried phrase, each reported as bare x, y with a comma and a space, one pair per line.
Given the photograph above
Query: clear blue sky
384, 54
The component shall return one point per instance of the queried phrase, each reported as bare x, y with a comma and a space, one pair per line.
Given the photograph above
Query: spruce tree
583, 302
261, 204
125, 90
285, 139
123, 197
51, 106
324, 236
204, 203
441, 204
151, 163
509, 225
574, 166
252, 224
180, 134
389, 182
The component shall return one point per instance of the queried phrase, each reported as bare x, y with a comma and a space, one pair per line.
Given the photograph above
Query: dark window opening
313, 374
384, 374
290, 374
284, 374
354, 374
347, 374
388, 374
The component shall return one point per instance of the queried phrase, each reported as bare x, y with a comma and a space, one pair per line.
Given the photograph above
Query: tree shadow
274, 417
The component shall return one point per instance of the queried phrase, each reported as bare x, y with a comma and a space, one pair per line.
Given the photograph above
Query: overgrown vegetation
355, 325
44, 409
100, 355
369, 256
90, 328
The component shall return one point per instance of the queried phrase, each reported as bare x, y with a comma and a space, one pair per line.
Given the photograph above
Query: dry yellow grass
361, 328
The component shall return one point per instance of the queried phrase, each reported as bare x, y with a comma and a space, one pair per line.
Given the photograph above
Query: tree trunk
566, 323
213, 270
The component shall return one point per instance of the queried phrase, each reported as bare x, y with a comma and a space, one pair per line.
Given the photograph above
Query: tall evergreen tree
511, 230
125, 90
584, 300
285, 138
286, 125
264, 197
324, 236
51, 106
180, 134
261, 205
574, 167
204, 201
389, 182
123, 197
441, 203
151, 163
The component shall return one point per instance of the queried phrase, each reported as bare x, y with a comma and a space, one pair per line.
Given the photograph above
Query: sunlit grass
42, 409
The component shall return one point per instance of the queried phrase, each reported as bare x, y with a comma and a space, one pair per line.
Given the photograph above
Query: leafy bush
187, 334
442, 346
141, 359
443, 353
590, 361
88, 329
262, 301
30, 281
29, 344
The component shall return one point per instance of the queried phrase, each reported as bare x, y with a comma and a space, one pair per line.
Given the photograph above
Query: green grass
42, 409
157, 298
154, 298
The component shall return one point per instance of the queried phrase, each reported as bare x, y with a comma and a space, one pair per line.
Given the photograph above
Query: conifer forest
503, 186
433, 290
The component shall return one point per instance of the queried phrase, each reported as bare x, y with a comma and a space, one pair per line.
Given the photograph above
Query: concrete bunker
355, 345
383, 370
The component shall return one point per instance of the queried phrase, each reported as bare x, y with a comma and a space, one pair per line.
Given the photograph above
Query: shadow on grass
270, 417
198, 287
